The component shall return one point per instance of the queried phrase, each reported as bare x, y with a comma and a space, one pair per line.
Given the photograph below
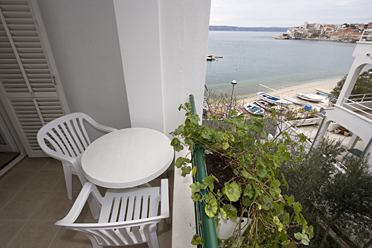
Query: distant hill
262, 29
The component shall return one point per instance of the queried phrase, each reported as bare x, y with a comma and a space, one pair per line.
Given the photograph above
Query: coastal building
317, 31
353, 111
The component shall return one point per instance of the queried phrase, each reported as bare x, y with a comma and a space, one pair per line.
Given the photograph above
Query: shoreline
290, 91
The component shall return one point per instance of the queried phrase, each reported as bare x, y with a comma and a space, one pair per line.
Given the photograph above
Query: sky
286, 13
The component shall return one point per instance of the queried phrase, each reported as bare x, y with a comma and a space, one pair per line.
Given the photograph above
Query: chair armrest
79, 203
164, 200
104, 128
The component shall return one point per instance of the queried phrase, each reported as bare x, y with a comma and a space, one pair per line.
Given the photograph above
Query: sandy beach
307, 87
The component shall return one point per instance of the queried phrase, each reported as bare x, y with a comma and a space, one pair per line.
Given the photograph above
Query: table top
127, 157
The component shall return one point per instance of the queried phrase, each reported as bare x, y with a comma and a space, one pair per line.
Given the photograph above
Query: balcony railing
360, 103
367, 35
205, 226
361, 97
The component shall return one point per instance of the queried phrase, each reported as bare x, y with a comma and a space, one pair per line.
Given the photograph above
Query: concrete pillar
350, 81
354, 139
163, 45
321, 132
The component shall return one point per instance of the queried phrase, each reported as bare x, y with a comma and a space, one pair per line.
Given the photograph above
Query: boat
273, 99
263, 104
295, 101
310, 97
254, 109
323, 92
212, 57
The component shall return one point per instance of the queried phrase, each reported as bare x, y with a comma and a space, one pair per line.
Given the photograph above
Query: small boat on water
263, 104
254, 109
273, 99
212, 57
310, 97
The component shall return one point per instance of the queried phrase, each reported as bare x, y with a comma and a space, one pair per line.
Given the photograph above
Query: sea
254, 58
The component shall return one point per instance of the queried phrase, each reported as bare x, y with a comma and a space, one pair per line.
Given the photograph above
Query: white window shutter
29, 83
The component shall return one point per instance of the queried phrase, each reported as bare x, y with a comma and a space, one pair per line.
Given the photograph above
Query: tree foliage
333, 198
363, 85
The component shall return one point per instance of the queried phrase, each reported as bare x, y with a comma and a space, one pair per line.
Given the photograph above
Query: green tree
363, 85
333, 198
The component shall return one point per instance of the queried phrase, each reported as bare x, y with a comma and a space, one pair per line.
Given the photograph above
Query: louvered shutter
29, 82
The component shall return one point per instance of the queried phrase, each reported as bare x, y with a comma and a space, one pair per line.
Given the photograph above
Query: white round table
127, 158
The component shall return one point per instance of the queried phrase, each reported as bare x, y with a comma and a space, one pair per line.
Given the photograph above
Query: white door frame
7, 134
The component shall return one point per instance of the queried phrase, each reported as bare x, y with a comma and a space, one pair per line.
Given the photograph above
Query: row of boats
266, 101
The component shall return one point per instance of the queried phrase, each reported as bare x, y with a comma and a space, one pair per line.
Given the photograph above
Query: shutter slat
25, 74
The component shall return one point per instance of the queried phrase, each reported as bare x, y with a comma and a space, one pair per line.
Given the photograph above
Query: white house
353, 112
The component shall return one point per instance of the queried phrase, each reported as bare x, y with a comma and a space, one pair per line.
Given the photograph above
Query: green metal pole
208, 227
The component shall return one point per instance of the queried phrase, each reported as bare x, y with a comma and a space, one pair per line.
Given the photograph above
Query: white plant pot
226, 228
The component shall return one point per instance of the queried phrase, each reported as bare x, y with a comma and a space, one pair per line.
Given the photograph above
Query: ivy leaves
232, 191
257, 184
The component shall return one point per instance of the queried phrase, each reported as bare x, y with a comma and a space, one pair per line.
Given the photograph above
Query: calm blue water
255, 57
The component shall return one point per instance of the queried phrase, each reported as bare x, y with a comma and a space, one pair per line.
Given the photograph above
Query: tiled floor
33, 197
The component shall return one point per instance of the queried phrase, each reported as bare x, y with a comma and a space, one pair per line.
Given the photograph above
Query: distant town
332, 32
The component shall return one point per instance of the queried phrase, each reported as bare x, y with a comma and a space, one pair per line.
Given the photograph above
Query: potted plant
245, 180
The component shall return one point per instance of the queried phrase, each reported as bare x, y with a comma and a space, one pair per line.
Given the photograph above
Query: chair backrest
65, 138
126, 219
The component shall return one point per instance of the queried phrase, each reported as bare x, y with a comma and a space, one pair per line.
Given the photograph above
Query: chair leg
94, 243
68, 178
95, 207
152, 241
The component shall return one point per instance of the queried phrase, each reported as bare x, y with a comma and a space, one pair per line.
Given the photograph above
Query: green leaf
182, 161
197, 240
223, 213
278, 223
194, 170
249, 191
232, 191
261, 171
209, 181
176, 143
297, 207
211, 207
185, 170
231, 211
290, 199
225, 145
302, 237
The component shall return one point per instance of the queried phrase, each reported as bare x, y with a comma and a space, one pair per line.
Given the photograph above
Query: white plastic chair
66, 139
127, 217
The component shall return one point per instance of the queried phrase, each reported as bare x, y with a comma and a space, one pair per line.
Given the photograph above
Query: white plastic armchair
127, 217
66, 139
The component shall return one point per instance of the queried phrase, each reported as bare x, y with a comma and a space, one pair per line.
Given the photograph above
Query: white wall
139, 38
84, 42
163, 45
184, 42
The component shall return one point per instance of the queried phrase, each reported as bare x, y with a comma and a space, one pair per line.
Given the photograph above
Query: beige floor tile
31, 164
33, 196
52, 165
68, 238
6, 196
22, 206
34, 234
15, 180
55, 207
8, 230
43, 181
61, 186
